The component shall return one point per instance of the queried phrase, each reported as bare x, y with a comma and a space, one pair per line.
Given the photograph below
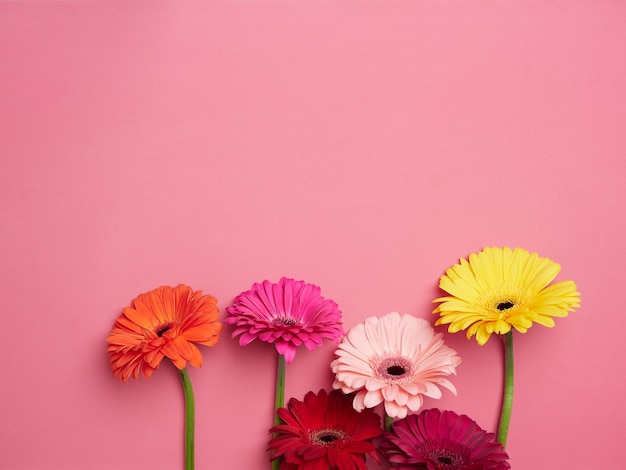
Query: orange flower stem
280, 398
189, 419
507, 395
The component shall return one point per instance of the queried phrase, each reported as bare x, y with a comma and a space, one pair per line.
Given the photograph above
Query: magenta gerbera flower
324, 432
395, 359
288, 314
443, 440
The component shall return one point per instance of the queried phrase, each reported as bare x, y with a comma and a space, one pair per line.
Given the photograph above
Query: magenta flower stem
189, 419
280, 398
280, 388
507, 394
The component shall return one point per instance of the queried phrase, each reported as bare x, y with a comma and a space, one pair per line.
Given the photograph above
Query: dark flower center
393, 369
160, 331
326, 437
505, 305
288, 321
446, 459
396, 370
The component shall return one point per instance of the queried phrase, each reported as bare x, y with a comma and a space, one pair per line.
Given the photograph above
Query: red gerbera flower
443, 440
165, 322
324, 432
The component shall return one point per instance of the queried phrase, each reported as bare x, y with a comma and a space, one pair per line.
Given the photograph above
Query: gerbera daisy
165, 322
443, 440
500, 288
288, 314
396, 359
324, 432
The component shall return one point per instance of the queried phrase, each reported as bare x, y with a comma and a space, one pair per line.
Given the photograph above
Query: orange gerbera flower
165, 322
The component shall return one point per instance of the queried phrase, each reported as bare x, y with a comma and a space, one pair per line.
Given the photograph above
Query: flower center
392, 369
446, 459
162, 329
328, 437
503, 302
288, 321
396, 370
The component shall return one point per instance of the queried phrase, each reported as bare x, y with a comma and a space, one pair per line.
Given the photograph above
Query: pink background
360, 145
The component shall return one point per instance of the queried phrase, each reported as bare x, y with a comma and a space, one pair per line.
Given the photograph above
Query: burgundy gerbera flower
324, 432
443, 440
288, 314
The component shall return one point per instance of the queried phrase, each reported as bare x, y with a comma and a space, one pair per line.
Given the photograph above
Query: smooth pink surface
363, 146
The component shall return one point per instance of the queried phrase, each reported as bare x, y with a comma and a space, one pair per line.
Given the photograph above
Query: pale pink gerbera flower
395, 359
288, 314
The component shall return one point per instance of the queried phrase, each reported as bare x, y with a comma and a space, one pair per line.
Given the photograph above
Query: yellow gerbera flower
500, 288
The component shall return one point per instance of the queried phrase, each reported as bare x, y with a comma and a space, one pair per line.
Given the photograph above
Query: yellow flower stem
280, 398
189, 419
507, 395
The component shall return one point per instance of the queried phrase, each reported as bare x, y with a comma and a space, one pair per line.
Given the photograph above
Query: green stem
388, 422
189, 419
280, 398
507, 394
280, 388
